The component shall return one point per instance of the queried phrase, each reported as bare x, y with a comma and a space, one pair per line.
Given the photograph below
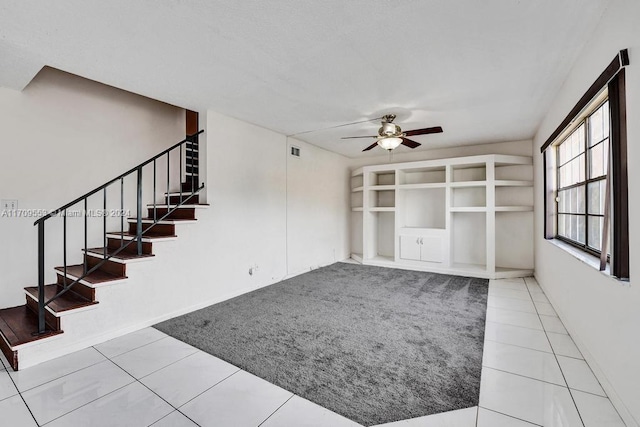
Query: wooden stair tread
167, 220
95, 277
148, 235
123, 255
17, 325
67, 301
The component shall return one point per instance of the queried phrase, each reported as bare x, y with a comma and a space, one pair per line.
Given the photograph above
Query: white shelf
514, 208
513, 183
357, 209
422, 186
463, 184
382, 187
437, 200
469, 209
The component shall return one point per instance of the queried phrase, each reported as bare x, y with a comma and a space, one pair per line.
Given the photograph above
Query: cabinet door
431, 249
410, 247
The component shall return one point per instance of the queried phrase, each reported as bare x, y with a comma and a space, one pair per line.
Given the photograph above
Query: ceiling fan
390, 135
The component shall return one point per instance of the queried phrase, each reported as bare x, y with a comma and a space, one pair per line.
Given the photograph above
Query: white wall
61, 137
283, 214
317, 208
602, 314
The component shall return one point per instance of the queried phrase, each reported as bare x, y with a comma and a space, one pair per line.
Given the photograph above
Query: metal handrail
129, 172
40, 223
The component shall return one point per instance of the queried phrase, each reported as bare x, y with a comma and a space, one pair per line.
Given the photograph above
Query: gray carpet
373, 344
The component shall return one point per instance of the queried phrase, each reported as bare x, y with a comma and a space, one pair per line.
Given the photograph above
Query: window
582, 159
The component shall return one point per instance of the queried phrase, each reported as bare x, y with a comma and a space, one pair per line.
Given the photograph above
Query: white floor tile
499, 285
579, 376
510, 293
240, 400
553, 324
133, 405
511, 304
514, 283
58, 397
563, 345
532, 283
7, 389
129, 342
300, 412
15, 413
545, 308
487, 418
157, 355
515, 318
539, 297
175, 419
459, 418
596, 411
522, 361
182, 381
4, 363
515, 335
36, 375
527, 399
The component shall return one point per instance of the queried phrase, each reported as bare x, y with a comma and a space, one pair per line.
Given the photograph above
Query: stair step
65, 303
122, 257
115, 243
185, 206
174, 198
17, 324
147, 237
97, 277
164, 221
153, 229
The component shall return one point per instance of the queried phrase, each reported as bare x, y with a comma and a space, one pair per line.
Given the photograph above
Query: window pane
595, 231
574, 228
561, 227
595, 127
580, 196
596, 197
581, 230
596, 161
605, 119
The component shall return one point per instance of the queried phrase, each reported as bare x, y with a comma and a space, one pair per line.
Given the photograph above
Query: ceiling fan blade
409, 143
354, 137
436, 129
371, 146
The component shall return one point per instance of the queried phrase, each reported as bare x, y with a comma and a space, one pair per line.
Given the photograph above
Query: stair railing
191, 143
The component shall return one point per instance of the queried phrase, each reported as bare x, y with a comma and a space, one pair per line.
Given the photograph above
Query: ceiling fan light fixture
389, 143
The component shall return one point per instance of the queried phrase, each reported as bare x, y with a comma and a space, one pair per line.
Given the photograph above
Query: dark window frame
613, 78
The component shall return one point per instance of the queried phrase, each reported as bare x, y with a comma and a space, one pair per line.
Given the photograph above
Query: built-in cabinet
465, 215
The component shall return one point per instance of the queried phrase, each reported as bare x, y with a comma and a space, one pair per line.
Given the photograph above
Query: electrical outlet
9, 205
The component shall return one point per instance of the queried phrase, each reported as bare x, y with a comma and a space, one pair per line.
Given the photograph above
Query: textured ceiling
484, 71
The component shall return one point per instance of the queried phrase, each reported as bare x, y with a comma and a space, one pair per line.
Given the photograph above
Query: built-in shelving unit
466, 215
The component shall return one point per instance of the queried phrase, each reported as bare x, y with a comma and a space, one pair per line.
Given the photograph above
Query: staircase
42, 317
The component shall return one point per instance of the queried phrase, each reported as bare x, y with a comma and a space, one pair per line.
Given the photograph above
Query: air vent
295, 151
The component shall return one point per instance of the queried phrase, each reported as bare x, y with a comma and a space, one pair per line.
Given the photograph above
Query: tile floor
533, 374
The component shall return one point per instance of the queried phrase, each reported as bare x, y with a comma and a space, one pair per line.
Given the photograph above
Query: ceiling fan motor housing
389, 129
